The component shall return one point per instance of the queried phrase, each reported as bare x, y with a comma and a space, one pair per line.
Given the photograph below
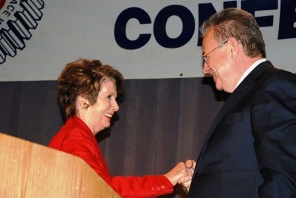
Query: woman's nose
115, 106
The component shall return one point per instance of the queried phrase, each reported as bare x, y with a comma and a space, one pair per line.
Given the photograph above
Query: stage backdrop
143, 39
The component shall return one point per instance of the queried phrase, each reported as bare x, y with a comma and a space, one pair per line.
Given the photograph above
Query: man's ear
234, 47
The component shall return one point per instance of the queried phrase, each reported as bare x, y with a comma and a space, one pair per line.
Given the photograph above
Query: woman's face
101, 112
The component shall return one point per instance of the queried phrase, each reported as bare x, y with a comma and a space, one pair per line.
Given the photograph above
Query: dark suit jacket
250, 149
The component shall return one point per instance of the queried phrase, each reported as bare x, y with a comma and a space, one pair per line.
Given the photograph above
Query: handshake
182, 174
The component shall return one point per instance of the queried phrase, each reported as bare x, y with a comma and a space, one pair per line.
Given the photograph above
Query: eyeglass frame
206, 55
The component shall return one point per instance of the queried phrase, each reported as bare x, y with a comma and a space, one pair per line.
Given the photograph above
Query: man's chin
219, 87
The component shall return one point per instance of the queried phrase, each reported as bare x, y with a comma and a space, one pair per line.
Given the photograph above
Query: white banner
142, 38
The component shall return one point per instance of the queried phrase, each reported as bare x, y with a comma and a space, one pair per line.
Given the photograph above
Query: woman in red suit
87, 92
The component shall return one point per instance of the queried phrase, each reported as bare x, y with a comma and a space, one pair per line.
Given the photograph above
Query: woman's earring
85, 105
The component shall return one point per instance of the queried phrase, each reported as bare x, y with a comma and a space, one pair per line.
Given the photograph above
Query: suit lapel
246, 85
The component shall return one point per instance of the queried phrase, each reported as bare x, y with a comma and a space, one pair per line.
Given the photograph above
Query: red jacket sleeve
142, 187
85, 146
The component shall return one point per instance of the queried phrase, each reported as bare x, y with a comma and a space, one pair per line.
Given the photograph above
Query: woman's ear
82, 102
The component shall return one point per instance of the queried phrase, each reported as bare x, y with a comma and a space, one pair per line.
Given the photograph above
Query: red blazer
76, 138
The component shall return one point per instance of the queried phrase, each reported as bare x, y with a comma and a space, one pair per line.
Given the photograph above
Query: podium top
32, 170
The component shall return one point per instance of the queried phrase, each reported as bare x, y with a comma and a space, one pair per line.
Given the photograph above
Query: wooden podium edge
33, 170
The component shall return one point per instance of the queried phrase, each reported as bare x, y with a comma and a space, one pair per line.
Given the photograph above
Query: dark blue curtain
160, 121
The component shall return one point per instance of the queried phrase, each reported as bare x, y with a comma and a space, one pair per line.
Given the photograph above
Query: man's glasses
206, 55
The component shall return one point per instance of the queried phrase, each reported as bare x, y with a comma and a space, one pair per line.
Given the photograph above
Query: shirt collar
248, 71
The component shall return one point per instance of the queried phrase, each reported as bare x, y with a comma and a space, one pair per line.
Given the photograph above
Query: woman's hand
182, 174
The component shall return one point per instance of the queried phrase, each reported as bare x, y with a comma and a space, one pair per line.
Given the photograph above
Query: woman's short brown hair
83, 78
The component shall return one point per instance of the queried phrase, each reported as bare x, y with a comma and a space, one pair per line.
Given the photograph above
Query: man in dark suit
250, 149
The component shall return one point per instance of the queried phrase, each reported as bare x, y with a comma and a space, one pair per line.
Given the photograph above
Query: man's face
216, 62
